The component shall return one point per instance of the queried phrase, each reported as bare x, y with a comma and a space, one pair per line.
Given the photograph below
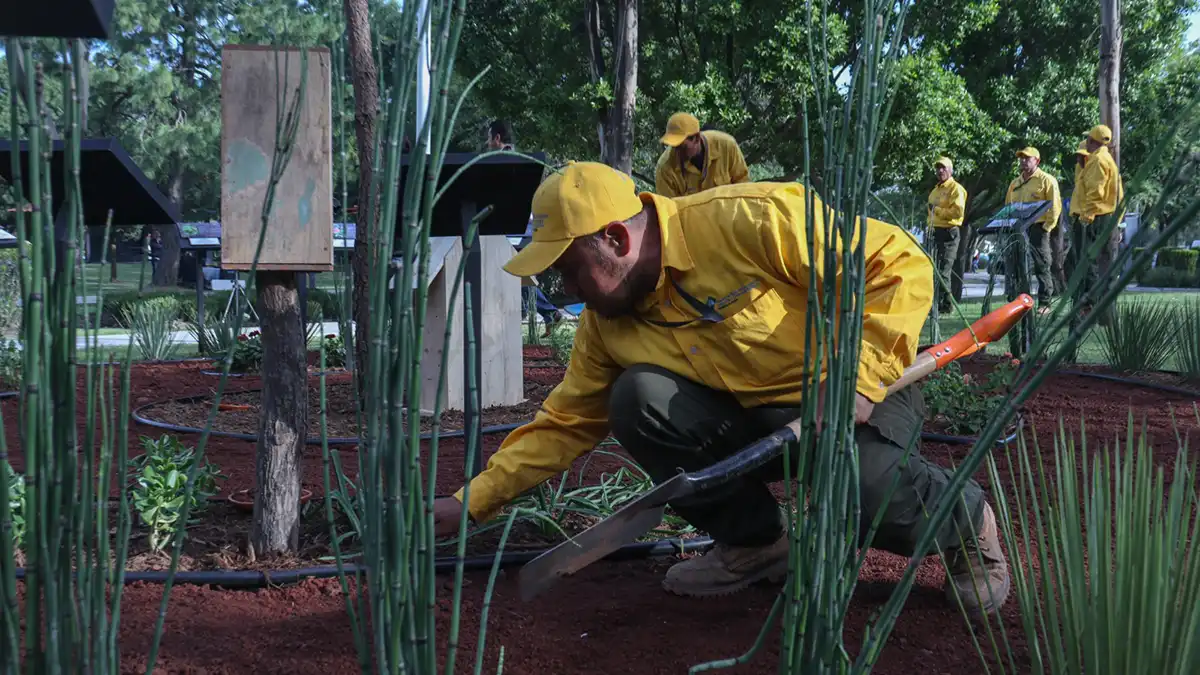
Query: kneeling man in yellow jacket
691, 347
696, 160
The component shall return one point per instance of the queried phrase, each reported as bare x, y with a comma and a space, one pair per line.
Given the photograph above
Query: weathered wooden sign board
299, 230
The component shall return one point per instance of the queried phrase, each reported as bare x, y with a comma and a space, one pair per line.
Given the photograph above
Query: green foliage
965, 404
158, 483
562, 340
335, 350
12, 362
248, 353
219, 336
330, 303
1105, 564
1168, 277
1187, 319
119, 305
10, 292
152, 324
1181, 259
1140, 336
14, 492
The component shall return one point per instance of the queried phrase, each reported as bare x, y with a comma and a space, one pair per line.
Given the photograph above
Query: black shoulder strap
706, 311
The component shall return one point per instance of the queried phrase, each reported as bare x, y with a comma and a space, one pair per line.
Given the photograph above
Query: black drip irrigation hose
334, 440
254, 579
1139, 383
315, 373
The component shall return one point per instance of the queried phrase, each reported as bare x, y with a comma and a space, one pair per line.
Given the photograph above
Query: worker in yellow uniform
696, 160
1035, 185
1098, 192
1060, 241
947, 207
691, 346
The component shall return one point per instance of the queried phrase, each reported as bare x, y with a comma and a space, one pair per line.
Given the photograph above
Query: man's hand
863, 407
446, 514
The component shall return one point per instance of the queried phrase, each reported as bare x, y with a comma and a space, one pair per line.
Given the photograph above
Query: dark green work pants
1039, 244
946, 241
669, 423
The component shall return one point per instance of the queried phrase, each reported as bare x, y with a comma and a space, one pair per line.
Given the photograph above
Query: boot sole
771, 574
993, 600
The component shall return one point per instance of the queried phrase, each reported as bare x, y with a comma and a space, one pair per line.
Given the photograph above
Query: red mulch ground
611, 618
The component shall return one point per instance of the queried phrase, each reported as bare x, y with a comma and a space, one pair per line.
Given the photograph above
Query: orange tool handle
986, 330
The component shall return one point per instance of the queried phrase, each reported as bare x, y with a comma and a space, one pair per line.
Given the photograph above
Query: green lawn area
98, 277
1089, 351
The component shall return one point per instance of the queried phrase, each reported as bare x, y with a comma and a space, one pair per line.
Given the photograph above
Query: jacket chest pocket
764, 340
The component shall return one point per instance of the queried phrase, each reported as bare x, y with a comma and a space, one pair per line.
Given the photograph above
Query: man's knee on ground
632, 393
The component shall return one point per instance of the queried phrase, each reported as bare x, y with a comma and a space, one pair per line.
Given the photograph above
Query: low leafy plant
12, 362
966, 403
14, 492
562, 340
335, 351
152, 323
1140, 335
158, 484
247, 353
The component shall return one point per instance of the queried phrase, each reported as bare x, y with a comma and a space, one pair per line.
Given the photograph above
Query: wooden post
283, 425
298, 239
1111, 38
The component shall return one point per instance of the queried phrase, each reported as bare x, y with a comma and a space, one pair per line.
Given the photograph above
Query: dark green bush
1169, 277
331, 303
1179, 258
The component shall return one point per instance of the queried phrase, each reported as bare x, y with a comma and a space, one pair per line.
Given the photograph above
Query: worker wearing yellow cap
696, 160
691, 347
947, 206
1060, 241
1098, 192
1035, 185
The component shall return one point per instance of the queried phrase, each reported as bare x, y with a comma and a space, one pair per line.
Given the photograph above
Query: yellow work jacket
1099, 187
1041, 186
743, 250
723, 165
1076, 193
947, 204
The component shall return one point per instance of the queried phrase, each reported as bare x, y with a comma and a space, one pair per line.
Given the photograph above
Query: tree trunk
1111, 39
283, 424
596, 66
366, 107
619, 153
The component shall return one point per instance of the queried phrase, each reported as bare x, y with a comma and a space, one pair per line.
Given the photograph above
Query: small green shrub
158, 485
1140, 335
152, 323
335, 351
331, 303
12, 363
1187, 321
1168, 277
965, 403
14, 492
562, 340
218, 334
10, 292
248, 353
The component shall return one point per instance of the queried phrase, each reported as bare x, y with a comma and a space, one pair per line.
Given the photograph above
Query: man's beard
637, 285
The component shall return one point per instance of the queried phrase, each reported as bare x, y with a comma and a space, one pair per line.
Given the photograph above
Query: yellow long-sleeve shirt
947, 204
1076, 193
1041, 186
1100, 187
742, 248
723, 165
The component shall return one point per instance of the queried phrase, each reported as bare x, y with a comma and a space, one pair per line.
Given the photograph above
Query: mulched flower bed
610, 617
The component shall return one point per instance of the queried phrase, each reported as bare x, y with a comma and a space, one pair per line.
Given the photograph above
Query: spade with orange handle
646, 512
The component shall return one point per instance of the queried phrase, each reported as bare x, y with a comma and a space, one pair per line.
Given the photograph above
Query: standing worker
1060, 241
697, 160
1035, 185
682, 384
947, 207
1098, 192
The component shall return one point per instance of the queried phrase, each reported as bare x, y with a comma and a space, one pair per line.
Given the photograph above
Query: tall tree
616, 117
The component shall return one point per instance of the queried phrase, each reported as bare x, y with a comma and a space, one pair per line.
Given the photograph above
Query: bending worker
682, 383
1035, 185
697, 160
947, 206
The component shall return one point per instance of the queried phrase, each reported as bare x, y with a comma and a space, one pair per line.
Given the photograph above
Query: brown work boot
981, 585
727, 569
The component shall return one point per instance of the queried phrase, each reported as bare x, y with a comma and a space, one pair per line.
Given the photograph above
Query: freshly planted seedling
14, 492
159, 481
966, 403
248, 353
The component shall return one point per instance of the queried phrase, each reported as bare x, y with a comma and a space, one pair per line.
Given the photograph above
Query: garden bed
613, 617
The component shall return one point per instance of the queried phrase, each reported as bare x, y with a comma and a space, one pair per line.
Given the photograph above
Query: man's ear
618, 237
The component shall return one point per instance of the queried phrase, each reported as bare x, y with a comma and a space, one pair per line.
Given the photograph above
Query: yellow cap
1100, 134
1029, 152
1082, 149
575, 201
679, 127
944, 161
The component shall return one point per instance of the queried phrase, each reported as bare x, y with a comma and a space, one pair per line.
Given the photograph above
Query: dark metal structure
57, 18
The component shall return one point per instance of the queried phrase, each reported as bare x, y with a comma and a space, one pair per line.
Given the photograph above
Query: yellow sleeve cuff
876, 372
482, 507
